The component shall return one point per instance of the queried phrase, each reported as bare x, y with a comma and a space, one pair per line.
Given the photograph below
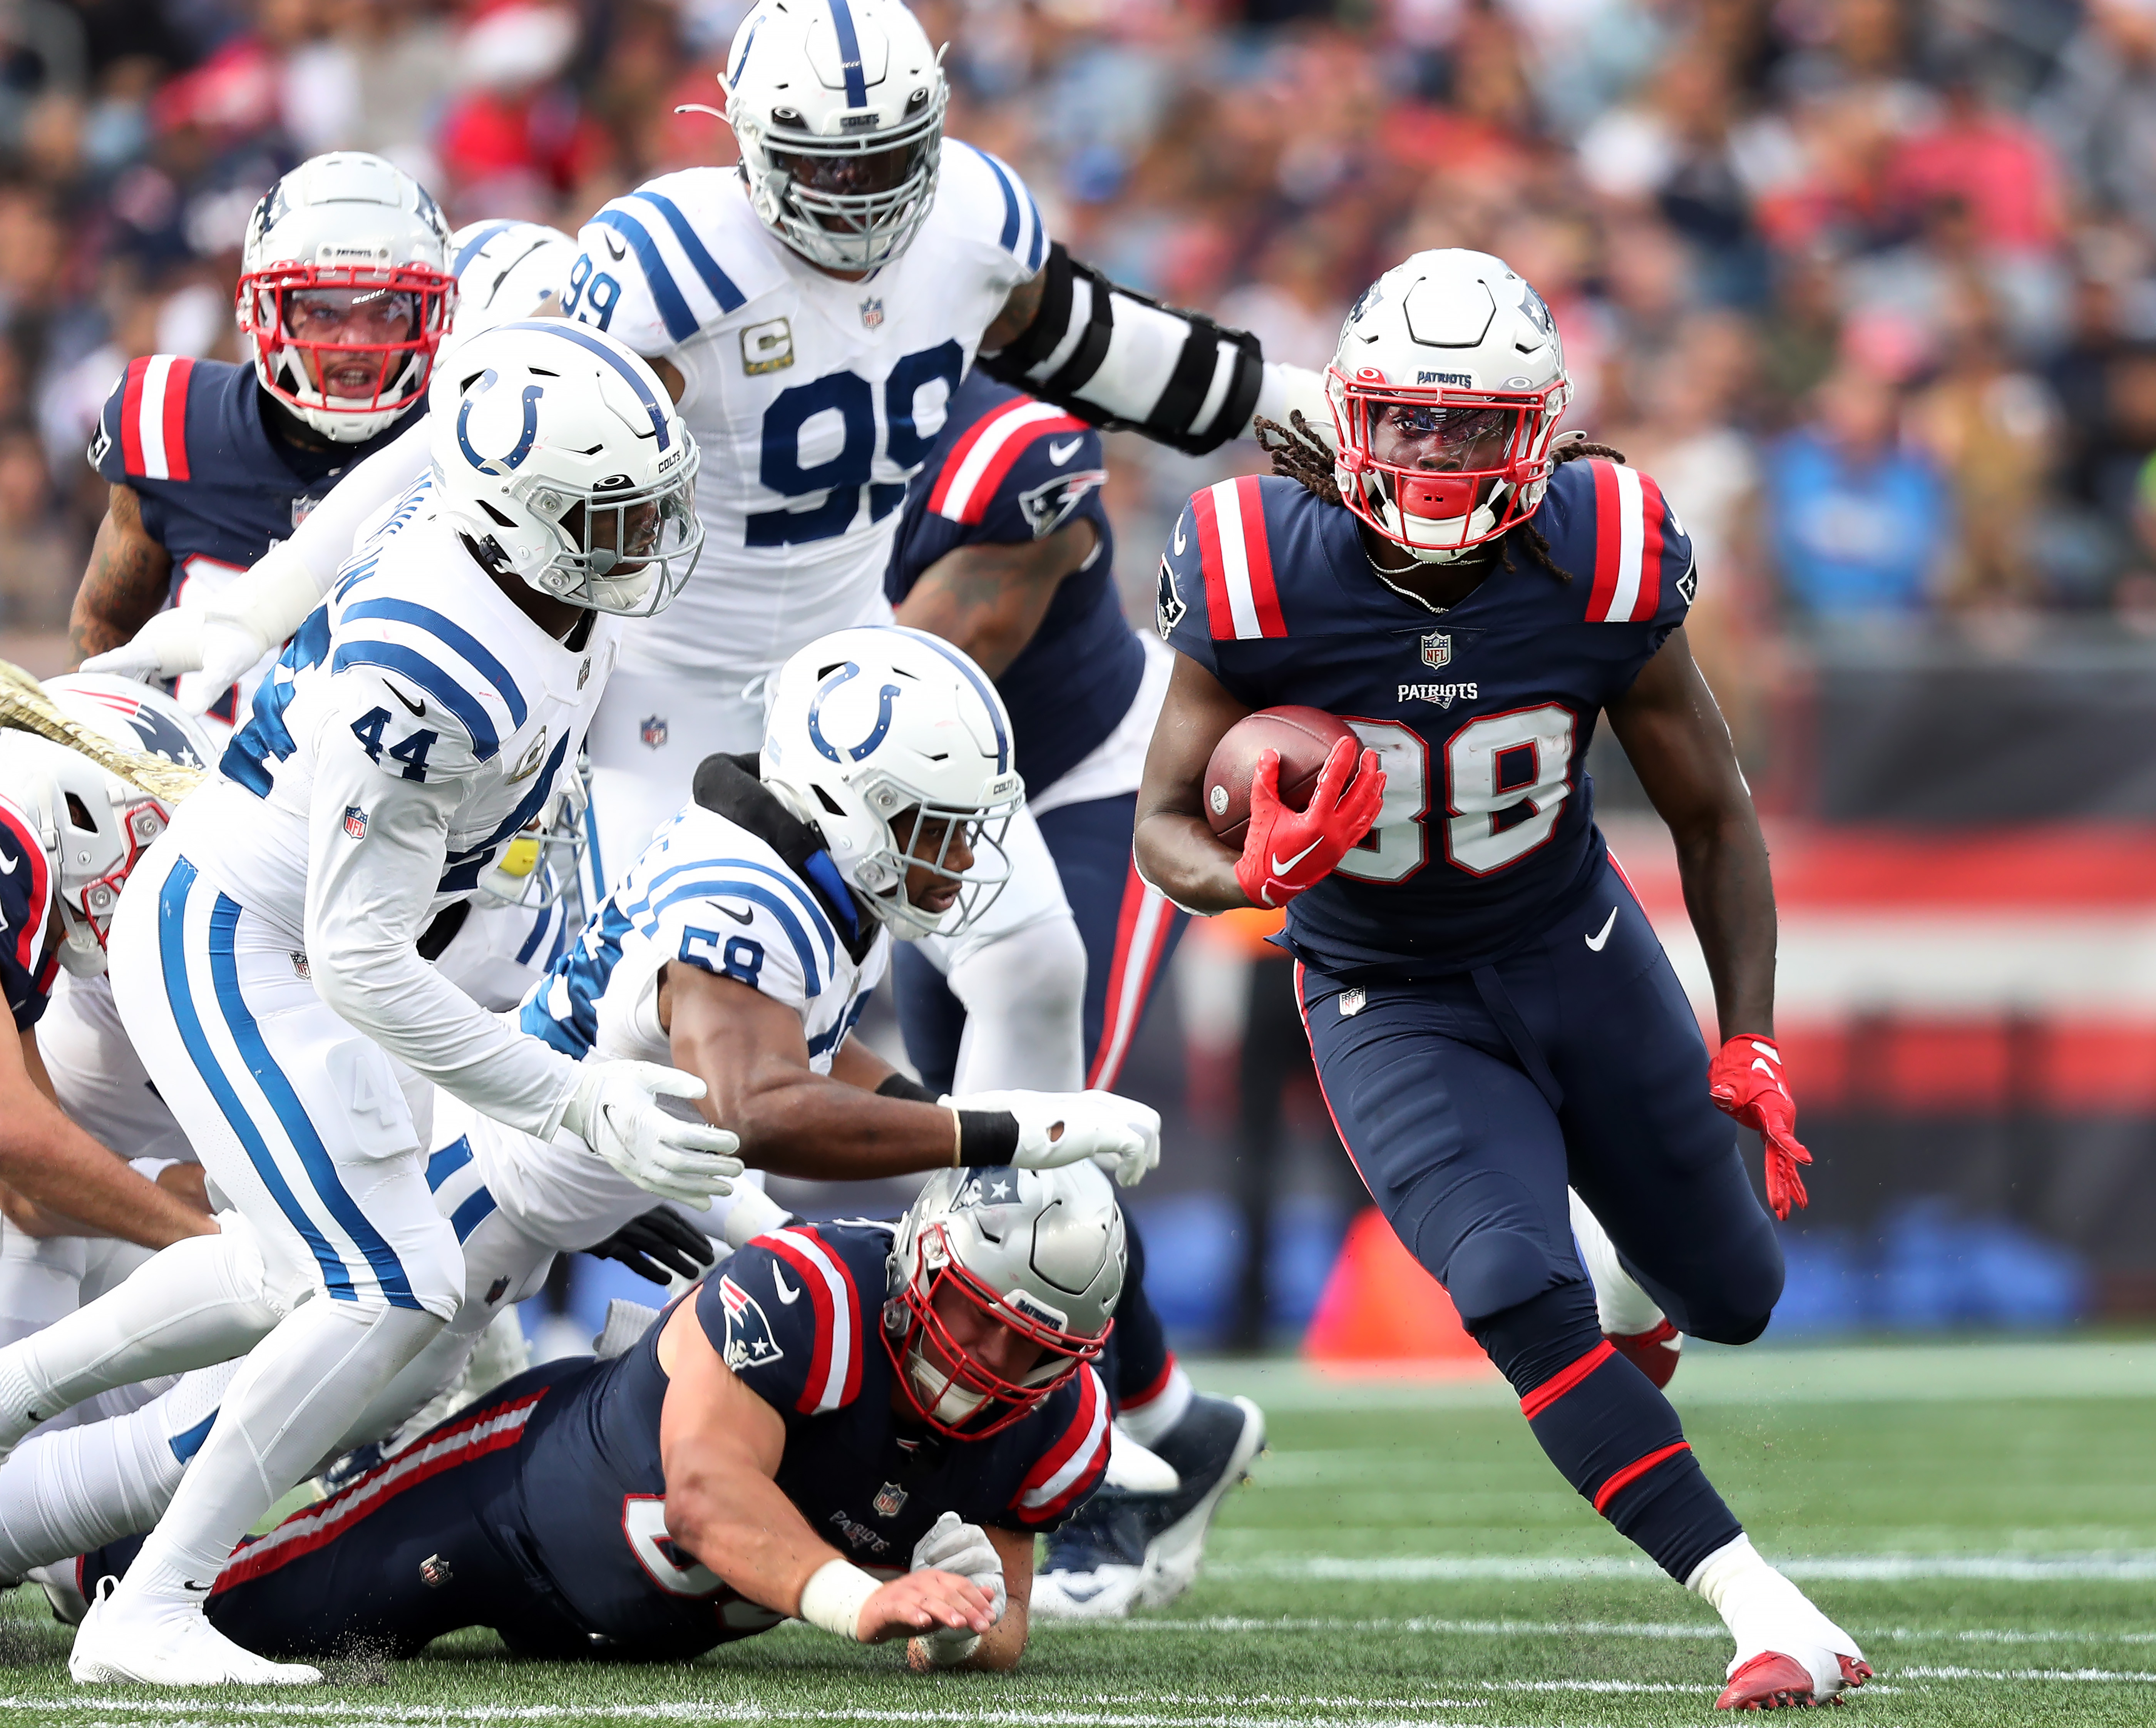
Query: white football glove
1120, 1134
953, 1546
614, 1111
226, 636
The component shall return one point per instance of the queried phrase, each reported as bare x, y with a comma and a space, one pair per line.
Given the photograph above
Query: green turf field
1982, 1517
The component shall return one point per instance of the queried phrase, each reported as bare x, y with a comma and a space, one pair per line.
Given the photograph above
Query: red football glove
1745, 1079
1286, 851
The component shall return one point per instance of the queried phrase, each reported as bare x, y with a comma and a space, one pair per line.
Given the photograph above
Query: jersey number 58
1506, 777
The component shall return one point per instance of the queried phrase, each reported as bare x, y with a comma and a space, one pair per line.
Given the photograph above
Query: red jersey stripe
1017, 441
1562, 1381
1078, 1457
1649, 600
131, 417
1258, 554
940, 492
175, 430
1633, 1471
980, 459
1220, 615
1609, 542
835, 1369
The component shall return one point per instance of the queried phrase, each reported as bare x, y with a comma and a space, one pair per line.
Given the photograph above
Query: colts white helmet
505, 271
94, 825
558, 454
1449, 355
838, 107
898, 745
346, 292
1042, 1251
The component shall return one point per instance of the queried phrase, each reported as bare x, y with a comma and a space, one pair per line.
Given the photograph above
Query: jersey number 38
1506, 777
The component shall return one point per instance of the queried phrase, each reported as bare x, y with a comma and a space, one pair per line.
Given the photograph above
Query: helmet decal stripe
741, 65
473, 246
18, 831
584, 339
988, 697
849, 54
680, 321
721, 284
475, 652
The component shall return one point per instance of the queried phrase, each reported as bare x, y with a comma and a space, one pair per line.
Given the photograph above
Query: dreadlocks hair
1300, 455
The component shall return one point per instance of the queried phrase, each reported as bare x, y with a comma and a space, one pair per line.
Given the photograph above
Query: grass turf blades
1982, 1518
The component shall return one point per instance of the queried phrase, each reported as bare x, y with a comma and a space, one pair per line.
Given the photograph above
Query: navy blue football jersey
1004, 470
1480, 712
795, 1314
26, 910
219, 487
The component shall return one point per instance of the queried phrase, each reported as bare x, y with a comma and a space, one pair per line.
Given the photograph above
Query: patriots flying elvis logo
749, 1342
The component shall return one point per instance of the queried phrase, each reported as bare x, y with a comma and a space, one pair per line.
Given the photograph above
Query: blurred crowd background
1870, 285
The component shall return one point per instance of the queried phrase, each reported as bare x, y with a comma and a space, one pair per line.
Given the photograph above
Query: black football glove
660, 1242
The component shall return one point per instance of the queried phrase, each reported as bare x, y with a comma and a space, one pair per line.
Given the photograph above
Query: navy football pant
423, 1546
1469, 1102
1127, 943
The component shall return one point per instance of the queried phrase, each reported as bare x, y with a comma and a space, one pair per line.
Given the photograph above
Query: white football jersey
815, 400
710, 893
414, 724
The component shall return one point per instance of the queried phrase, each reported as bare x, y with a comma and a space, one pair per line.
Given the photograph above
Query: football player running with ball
265, 962
1491, 1012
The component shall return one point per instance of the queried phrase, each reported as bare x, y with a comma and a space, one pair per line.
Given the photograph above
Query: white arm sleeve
286, 582
367, 901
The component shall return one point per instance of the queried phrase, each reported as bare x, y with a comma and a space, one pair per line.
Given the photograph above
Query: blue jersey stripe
721, 284
680, 321
448, 1161
472, 247
849, 54
179, 997
805, 900
298, 1128
1010, 197
425, 618
980, 685
430, 678
475, 1211
760, 895
584, 339
186, 1444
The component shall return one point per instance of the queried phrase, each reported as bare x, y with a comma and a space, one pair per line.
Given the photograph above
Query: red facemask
271, 304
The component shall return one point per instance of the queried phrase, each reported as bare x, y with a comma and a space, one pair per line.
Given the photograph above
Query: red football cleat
1773, 1681
1653, 1353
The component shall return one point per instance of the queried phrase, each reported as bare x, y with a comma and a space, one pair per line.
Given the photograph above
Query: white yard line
2134, 1567
1681, 1631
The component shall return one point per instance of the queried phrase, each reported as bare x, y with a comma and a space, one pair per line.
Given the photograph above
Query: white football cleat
175, 1647
62, 1583
1789, 1655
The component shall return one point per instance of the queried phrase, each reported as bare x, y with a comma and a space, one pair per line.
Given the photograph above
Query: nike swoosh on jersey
8, 864
615, 249
786, 1293
1061, 454
1281, 869
418, 709
1601, 936
1178, 537
738, 917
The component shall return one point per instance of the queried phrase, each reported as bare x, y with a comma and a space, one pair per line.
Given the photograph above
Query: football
1303, 736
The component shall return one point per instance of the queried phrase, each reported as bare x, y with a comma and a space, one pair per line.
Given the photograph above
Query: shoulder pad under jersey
785, 1315
1609, 526
1071, 1430
678, 254
980, 197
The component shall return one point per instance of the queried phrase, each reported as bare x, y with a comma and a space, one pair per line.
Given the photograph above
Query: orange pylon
1381, 1312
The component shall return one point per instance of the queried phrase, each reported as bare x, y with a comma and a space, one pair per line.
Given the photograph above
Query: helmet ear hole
830, 803
79, 813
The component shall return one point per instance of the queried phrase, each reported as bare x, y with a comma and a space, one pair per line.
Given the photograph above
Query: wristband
912, 1091
986, 1137
834, 1597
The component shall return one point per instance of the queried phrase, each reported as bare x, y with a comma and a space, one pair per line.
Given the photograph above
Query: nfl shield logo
1437, 650
871, 315
355, 822
890, 1498
654, 730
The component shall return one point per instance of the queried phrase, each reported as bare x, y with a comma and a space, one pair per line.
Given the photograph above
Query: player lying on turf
1491, 1012
721, 953
755, 1456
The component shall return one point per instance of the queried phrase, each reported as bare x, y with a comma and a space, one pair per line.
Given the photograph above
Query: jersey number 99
1506, 777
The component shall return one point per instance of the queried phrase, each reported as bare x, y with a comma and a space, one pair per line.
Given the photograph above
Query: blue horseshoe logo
515, 458
885, 698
